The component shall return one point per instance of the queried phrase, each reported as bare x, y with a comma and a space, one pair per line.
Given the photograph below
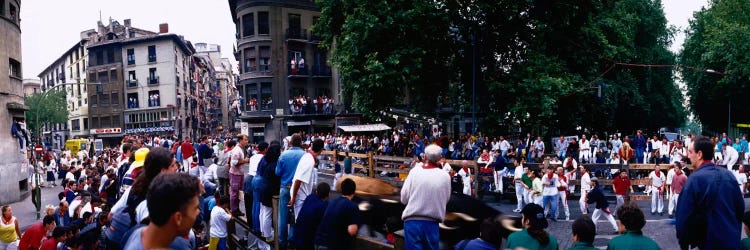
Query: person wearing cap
631, 222
135, 168
602, 205
584, 232
532, 236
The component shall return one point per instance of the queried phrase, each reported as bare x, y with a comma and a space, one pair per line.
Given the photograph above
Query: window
315, 20
132, 100
154, 99
104, 99
78, 71
92, 77
131, 34
75, 124
113, 76
62, 73
131, 56
251, 97
85, 123
13, 14
2, 7
248, 25
265, 96
94, 100
132, 82
115, 99
110, 56
103, 77
152, 77
265, 59
14, 69
295, 27
79, 89
99, 57
106, 122
152, 53
116, 121
250, 63
263, 23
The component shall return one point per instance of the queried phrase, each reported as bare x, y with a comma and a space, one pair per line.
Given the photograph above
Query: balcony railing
153, 80
311, 108
297, 34
297, 70
321, 70
151, 58
131, 83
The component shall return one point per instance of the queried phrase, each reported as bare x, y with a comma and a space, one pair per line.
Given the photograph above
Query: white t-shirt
550, 190
447, 167
518, 172
676, 157
656, 181
670, 175
219, 219
465, 177
254, 161
741, 179
304, 174
585, 182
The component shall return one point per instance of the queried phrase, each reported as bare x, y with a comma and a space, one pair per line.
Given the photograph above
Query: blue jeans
552, 201
257, 183
247, 189
639, 155
284, 233
421, 234
561, 154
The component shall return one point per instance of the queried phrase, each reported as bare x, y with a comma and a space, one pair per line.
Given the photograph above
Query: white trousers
467, 189
657, 200
498, 182
266, 221
673, 203
520, 194
745, 161
186, 164
582, 202
538, 200
563, 197
584, 154
607, 215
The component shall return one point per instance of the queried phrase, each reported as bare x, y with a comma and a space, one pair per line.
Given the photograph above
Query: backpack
123, 220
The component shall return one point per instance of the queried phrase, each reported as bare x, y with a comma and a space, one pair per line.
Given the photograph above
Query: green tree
718, 39
46, 108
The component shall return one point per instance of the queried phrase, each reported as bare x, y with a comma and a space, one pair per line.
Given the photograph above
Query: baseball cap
535, 214
140, 157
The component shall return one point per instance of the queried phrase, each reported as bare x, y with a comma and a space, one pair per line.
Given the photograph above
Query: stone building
14, 163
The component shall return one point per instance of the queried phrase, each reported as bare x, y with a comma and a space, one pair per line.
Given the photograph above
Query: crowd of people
165, 192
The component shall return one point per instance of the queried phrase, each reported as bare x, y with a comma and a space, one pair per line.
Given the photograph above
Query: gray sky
51, 27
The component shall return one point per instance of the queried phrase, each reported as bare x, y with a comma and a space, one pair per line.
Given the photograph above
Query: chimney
163, 28
127, 22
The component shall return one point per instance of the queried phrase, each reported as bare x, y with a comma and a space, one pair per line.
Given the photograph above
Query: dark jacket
270, 182
711, 210
596, 196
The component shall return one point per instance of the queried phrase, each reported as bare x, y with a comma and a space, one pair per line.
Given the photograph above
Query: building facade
68, 73
223, 86
31, 87
285, 83
14, 163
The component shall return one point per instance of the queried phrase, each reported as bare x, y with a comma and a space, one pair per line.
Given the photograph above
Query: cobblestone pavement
659, 228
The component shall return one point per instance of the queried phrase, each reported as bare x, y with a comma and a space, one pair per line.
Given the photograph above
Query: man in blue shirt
339, 225
710, 207
310, 217
640, 145
285, 169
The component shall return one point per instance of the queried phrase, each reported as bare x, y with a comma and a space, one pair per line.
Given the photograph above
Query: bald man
466, 177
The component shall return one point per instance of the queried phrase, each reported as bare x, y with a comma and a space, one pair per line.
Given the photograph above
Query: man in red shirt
32, 237
59, 234
620, 184
187, 154
678, 181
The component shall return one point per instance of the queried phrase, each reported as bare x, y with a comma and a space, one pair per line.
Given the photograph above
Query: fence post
275, 221
371, 163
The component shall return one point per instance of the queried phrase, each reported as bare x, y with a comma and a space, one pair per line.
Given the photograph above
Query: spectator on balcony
293, 65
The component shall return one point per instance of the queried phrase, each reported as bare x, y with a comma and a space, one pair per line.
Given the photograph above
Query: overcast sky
51, 27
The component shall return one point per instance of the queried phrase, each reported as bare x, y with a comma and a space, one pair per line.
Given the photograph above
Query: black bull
464, 215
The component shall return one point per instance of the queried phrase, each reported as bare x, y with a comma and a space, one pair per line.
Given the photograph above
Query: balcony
297, 70
321, 71
151, 58
310, 108
296, 34
153, 80
132, 83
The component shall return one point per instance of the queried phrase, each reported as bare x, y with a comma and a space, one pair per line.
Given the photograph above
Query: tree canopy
716, 46
537, 63
46, 108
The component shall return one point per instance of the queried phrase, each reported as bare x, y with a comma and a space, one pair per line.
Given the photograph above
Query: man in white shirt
670, 175
571, 168
657, 181
504, 145
584, 150
664, 151
538, 149
520, 190
655, 144
730, 155
238, 168
466, 177
585, 188
550, 182
678, 152
741, 179
302, 183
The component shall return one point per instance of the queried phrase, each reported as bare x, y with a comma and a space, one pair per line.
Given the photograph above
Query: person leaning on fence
631, 223
425, 193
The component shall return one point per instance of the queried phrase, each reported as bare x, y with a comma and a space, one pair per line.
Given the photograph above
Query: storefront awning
365, 128
294, 123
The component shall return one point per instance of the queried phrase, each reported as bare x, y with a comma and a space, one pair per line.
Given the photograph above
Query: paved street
26, 212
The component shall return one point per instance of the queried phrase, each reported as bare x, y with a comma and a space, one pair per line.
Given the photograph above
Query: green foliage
537, 62
46, 108
718, 39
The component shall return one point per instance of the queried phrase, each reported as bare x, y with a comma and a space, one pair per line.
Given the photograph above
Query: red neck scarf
549, 176
429, 166
658, 173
